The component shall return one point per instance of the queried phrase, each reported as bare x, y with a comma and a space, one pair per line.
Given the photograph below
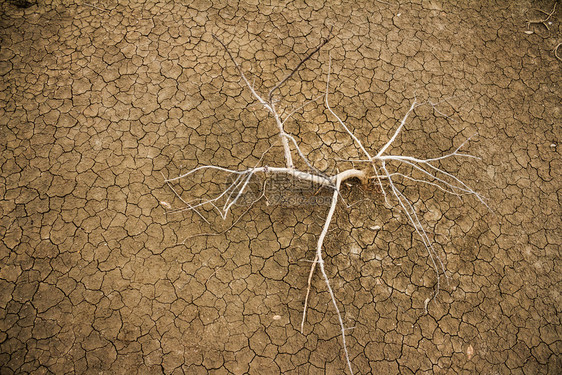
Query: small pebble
469, 352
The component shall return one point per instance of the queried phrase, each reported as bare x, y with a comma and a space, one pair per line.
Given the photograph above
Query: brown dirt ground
99, 100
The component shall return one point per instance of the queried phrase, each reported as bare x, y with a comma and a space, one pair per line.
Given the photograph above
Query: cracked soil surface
100, 101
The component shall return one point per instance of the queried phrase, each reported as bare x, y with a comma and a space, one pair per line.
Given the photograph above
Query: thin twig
355, 139
234, 223
182, 200
556, 51
391, 140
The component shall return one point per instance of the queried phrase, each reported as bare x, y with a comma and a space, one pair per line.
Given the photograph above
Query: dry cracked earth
101, 101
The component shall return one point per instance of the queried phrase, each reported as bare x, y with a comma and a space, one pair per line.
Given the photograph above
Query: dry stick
339, 178
556, 51
271, 103
243, 177
355, 139
182, 200
312, 268
391, 140
267, 105
542, 21
404, 203
338, 118
234, 223
413, 217
320, 260
227, 207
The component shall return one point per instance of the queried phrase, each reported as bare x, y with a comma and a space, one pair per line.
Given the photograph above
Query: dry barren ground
99, 100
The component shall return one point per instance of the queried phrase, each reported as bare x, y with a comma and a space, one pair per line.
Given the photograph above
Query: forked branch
428, 172
545, 21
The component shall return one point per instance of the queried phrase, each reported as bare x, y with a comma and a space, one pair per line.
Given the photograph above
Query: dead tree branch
545, 21
376, 167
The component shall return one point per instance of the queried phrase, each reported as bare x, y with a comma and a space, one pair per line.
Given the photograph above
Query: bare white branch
376, 167
391, 140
